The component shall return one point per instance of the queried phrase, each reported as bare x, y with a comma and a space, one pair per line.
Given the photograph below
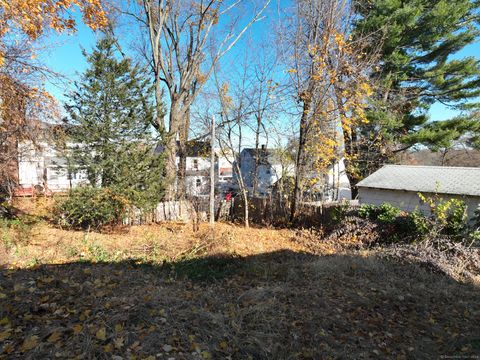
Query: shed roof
432, 179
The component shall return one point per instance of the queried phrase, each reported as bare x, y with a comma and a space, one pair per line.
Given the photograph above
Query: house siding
409, 200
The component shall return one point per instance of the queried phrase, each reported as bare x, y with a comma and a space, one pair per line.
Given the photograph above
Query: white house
225, 173
269, 169
42, 168
338, 185
399, 185
197, 171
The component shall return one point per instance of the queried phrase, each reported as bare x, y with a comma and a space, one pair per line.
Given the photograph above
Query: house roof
265, 156
432, 179
194, 148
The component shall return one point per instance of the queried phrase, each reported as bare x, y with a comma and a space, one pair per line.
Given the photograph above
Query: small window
195, 164
199, 183
267, 171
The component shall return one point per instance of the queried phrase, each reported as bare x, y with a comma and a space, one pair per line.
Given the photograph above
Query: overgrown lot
165, 292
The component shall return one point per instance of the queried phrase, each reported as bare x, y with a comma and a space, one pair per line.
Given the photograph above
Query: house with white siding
42, 168
400, 185
197, 166
268, 169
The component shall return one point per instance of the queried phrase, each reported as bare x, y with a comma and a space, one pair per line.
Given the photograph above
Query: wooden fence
184, 211
266, 211
262, 211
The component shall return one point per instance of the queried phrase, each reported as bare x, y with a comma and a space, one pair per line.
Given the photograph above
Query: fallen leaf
101, 334
77, 329
119, 342
206, 355
5, 334
29, 343
8, 348
108, 348
55, 336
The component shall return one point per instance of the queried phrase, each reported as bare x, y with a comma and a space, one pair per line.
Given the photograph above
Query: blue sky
65, 57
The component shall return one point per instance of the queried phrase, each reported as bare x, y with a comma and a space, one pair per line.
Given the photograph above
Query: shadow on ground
280, 305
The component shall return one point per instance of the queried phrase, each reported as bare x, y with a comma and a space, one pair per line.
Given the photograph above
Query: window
199, 183
267, 171
195, 164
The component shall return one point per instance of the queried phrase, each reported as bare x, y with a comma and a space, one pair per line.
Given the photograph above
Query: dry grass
154, 243
163, 292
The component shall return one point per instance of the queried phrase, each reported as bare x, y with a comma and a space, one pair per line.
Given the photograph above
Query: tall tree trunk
300, 159
257, 156
212, 174
171, 149
244, 191
245, 204
182, 154
349, 141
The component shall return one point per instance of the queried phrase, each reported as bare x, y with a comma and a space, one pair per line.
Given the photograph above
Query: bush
340, 211
421, 224
368, 211
448, 217
88, 207
456, 217
385, 213
476, 218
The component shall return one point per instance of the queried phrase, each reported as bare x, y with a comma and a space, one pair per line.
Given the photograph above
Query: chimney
263, 146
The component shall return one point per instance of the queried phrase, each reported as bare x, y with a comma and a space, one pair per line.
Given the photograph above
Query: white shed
399, 185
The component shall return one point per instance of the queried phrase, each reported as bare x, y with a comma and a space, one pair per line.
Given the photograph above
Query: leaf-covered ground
242, 294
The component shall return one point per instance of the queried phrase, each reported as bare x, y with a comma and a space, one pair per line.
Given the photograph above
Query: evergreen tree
109, 127
417, 68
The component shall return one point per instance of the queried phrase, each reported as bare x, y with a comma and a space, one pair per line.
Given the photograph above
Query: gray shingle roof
432, 179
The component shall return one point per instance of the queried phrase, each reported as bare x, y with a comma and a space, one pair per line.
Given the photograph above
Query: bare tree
263, 97
180, 33
327, 82
235, 111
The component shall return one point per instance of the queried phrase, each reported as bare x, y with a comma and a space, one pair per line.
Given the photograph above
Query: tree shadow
280, 305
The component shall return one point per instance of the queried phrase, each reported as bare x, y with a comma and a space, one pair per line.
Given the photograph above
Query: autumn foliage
33, 16
22, 22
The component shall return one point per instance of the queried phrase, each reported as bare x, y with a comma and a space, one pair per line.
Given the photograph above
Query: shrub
447, 216
368, 211
340, 211
387, 213
456, 217
476, 218
421, 224
88, 207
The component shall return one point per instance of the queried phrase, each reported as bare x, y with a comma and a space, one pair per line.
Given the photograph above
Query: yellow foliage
32, 16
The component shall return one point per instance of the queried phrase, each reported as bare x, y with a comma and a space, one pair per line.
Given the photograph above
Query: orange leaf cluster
33, 16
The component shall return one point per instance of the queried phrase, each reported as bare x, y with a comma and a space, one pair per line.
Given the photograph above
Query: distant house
225, 174
337, 185
399, 185
269, 169
197, 171
41, 168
